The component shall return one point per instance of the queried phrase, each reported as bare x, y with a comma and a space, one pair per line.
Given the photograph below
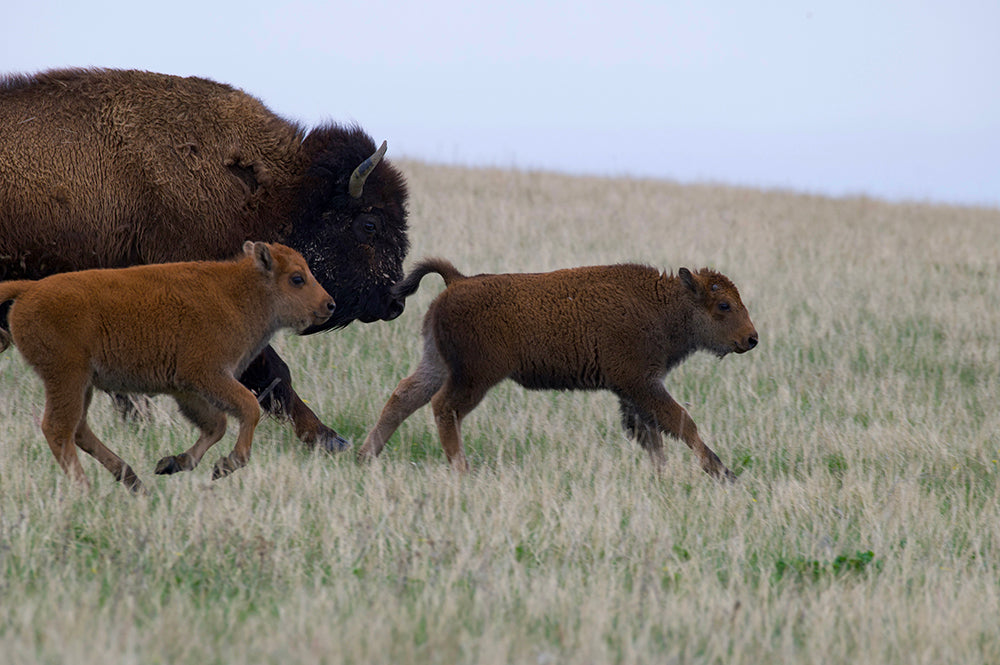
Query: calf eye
297, 279
724, 306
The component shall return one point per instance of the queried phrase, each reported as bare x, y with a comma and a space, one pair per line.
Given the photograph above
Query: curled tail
10, 291
408, 285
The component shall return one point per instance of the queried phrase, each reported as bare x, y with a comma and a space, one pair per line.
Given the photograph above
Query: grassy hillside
865, 527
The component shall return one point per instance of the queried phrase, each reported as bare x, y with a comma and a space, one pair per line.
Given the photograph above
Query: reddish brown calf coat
183, 329
619, 328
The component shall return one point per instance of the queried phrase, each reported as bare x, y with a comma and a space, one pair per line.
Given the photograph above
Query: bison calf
619, 327
183, 329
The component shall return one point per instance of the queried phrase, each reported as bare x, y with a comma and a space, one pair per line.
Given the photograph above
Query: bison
106, 168
184, 329
618, 327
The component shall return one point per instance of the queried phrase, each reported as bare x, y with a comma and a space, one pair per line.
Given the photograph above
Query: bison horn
364, 170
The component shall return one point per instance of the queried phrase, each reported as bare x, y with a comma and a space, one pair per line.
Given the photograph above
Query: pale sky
897, 100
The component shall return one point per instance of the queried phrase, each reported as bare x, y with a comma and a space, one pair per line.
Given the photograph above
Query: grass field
865, 527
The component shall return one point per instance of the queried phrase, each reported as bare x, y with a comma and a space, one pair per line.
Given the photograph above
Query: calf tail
10, 291
408, 285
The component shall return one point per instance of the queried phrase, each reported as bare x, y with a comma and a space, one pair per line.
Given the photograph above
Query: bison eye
297, 279
724, 307
366, 226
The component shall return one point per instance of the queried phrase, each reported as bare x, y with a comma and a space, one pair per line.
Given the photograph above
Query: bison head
351, 227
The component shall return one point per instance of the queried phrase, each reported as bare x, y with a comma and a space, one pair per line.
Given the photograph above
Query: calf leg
88, 442
209, 420
673, 420
240, 402
642, 427
412, 393
268, 376
65, 408
451, 404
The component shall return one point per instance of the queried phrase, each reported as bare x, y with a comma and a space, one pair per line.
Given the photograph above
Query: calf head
299, 300
722, 323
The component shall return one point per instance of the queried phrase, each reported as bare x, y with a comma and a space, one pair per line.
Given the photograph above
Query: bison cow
184, 329
106, 168
619, 327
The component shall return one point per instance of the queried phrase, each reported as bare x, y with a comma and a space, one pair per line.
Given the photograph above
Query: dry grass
864, 528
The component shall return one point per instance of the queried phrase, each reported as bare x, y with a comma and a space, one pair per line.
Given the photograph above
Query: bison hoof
174, 464
332, 442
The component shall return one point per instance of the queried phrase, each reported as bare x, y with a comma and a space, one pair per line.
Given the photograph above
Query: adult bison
107, 168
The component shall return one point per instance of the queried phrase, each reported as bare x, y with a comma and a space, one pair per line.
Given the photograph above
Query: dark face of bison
352, 225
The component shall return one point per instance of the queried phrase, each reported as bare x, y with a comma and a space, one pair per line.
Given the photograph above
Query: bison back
111, 168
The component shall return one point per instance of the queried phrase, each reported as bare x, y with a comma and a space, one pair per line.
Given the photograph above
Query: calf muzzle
747, 344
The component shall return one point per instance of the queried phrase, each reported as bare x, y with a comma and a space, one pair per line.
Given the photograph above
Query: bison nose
752, 341
331, 306
395, 309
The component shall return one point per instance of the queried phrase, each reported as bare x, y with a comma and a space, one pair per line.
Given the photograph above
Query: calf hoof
365, 453
131, 481
224, 467
174, 464
138, 489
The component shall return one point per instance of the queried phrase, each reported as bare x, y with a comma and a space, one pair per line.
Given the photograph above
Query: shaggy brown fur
183, 329
619, 327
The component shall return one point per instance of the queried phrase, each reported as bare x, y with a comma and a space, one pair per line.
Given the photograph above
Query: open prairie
865, 527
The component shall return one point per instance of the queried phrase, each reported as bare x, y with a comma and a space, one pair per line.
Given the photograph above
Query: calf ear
689, 280
261, 254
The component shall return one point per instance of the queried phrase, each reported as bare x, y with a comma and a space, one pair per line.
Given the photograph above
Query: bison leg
208, 419
269, 378
642, 427
88, 442
412, 393
673, 420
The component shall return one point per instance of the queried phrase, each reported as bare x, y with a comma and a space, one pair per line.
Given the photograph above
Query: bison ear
689, 280
261, 254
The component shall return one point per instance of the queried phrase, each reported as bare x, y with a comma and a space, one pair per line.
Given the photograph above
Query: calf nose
752, 341
330, 306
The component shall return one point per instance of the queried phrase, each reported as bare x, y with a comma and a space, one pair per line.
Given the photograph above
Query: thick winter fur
619, 328
183, 329
107, 168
